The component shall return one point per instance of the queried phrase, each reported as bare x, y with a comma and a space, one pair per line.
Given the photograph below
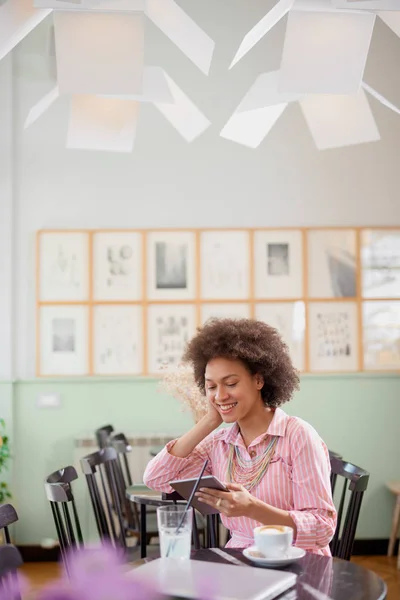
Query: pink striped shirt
297, 479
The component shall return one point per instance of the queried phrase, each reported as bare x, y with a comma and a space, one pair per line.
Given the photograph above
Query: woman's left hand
235, 503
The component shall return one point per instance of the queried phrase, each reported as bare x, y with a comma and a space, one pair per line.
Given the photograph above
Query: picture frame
171, 265
117, 339
381, 335
289, 318
380, 263
117, 265
333, 336
225, 265
63, 266
170, 327
278, 264
64, 341
332, 263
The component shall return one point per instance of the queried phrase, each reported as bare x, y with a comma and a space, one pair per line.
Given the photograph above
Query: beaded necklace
249, 472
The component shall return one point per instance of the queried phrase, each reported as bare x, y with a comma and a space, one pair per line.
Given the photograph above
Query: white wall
212, 182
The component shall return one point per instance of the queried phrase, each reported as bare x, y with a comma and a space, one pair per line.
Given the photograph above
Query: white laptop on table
191, 578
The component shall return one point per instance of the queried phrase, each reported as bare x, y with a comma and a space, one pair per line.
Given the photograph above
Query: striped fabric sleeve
165, 467
314, 511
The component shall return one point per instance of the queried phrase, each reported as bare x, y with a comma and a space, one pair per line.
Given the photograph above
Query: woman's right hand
213, 416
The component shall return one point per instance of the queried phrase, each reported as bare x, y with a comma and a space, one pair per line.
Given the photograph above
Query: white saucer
257, 558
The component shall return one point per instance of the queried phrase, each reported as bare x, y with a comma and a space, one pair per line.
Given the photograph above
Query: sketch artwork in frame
380, 263
333, 336
332, 263
117, 266
63, 266
222, 310
118, 339
278, 259
225, 265
289, 318
170, 327
381, 331
171, 265
63, 340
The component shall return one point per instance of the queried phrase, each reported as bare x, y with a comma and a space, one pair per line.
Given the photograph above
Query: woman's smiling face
232, 389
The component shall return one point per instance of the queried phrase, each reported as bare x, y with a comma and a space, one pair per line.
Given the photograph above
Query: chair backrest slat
355, 481
103, 435
58, 488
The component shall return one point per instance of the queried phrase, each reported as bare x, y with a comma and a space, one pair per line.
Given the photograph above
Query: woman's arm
182, 458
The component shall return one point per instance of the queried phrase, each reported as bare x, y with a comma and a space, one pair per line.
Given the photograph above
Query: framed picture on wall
333, 336
225, 265
171, 265
233, 310
289, 318
170, 327
63, 266
118, 339
381, 329
332, 263
64, 348
380, 263
117, 265
278, 264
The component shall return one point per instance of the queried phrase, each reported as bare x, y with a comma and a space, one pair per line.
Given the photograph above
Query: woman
276, 467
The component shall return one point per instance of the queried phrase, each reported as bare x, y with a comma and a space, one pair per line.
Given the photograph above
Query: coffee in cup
273, 541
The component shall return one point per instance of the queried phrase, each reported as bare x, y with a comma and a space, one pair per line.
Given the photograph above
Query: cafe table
318, 577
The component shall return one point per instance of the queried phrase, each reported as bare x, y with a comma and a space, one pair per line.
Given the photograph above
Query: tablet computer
184, 487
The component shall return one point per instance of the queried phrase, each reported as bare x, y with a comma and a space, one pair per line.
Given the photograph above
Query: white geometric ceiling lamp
325, 52
17, 19
155, 89
336, 121
258, 112
98, 123
183, 114
392, 20
182, 31
98, 52
42, 106
262, 28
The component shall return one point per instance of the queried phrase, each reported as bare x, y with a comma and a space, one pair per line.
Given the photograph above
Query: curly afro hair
258, 345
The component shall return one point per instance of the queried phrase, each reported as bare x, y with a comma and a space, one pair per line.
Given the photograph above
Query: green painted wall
357, 415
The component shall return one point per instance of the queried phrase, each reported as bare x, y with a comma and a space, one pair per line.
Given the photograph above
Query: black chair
332, 455
103, 477
102, 435
357, 481
10, 561
119, 442
8, 516
59, 493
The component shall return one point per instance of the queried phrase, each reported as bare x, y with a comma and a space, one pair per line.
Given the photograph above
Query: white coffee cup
273, 541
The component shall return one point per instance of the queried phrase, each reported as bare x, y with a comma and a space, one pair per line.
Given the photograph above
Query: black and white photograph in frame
380, 263
225, 265
289, 318
169, 327
118, 339
333, 336
63, 340
171, 265
278, 259
332, 263
222, 310
63, 266
381, 335
117, 265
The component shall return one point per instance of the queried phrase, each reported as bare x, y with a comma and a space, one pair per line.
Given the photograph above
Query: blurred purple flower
13, 587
